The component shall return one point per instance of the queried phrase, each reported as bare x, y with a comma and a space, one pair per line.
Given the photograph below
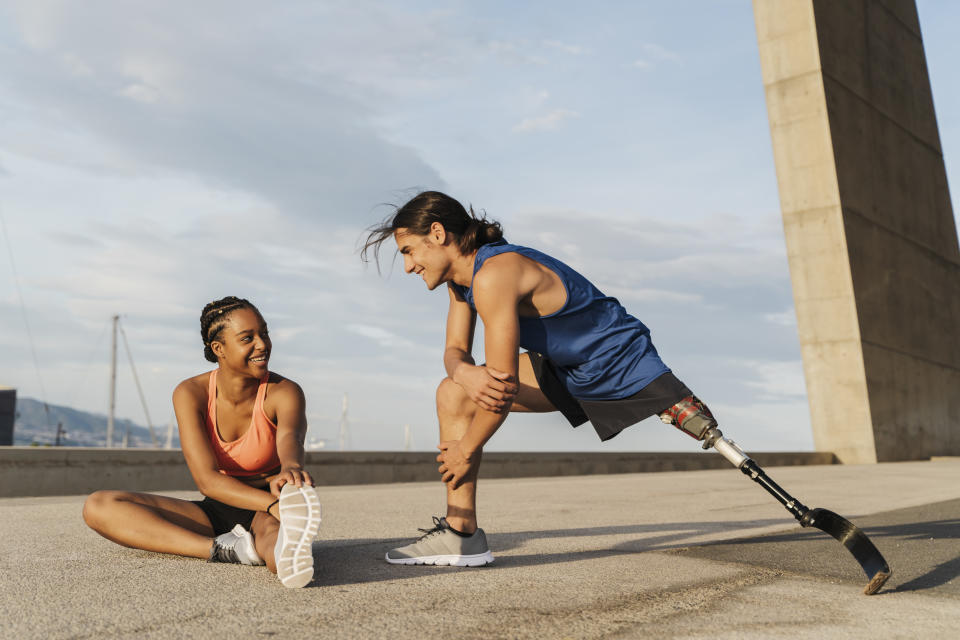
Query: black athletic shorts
223, 517
608, 417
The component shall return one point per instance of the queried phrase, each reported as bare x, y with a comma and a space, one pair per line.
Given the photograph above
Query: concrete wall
870, 233
51, 471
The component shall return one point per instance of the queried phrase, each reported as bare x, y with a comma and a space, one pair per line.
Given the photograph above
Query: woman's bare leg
455, 411
265, 529
150, 522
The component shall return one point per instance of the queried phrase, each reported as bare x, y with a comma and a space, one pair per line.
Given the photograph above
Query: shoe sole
300, 521
476, 560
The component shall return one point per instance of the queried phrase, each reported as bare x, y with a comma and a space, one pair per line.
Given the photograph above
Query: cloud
777, 380
572, 49
76, 239
514, 53
141, 93
381, 336
186, 99
547, 122
655, 53
529, 53
787, 318
652, 296
531, 99
661, 53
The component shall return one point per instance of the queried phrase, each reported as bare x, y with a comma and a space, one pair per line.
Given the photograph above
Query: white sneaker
299, 523
235, 546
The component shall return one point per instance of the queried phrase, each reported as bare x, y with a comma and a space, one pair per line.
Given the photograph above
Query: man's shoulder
504, 264
501, 280
500, 268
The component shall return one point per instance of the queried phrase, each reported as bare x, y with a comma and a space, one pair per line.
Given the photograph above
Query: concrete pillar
871, 238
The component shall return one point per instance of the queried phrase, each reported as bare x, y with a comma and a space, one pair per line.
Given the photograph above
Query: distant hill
83, 429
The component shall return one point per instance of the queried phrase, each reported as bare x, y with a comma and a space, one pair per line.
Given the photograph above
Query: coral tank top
254, 452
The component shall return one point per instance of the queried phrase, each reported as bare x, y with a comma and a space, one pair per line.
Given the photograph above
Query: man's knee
691, 416
452, 399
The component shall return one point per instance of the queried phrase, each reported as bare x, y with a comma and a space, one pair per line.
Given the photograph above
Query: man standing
585, 356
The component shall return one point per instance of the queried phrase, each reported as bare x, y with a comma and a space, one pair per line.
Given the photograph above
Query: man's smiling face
425, 255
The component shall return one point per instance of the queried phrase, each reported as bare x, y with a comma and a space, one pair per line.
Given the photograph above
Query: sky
157, 156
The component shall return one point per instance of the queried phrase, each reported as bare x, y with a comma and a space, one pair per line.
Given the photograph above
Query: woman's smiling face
244, 342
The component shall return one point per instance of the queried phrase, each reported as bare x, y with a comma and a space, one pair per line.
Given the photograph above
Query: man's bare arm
461, 323
496, 297
487, 386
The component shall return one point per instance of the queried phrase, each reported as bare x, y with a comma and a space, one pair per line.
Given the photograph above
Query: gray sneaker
441, 546
235, 546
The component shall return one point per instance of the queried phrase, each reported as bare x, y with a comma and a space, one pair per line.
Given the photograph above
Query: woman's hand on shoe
292, 475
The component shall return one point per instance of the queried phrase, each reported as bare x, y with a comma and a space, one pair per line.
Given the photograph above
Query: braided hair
470, 229
214, 318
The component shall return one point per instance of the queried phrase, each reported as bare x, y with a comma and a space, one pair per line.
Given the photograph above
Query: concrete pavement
634, 555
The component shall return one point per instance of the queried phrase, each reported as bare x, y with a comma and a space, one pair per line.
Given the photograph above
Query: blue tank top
599, 351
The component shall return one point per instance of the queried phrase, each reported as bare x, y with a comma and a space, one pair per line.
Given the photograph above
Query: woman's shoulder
282, 388
193, 388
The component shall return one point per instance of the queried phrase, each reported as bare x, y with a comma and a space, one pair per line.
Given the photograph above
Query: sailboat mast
113, 383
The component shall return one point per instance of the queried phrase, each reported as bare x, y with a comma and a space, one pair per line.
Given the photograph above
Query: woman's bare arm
288, 399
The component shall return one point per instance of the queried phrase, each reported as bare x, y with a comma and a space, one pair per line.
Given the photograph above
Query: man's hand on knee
488, 388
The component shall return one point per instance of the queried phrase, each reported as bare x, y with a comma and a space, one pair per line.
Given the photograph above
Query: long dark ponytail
471, 231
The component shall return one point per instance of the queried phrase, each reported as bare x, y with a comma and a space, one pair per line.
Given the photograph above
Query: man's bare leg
455, 410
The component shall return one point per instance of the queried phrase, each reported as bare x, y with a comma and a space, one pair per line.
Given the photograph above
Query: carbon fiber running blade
856, 542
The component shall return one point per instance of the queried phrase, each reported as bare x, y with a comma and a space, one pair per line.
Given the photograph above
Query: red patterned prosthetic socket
691, 416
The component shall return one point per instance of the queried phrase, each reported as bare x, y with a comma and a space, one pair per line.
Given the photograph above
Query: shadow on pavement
921, 545
940, 575
362, 560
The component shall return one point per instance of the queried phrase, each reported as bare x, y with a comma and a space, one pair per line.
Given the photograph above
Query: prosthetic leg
693, 417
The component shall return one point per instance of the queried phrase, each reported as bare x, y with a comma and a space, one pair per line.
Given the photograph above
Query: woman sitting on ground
241, 430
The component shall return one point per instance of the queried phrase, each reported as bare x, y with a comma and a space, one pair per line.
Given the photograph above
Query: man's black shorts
223, 517
608, 417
